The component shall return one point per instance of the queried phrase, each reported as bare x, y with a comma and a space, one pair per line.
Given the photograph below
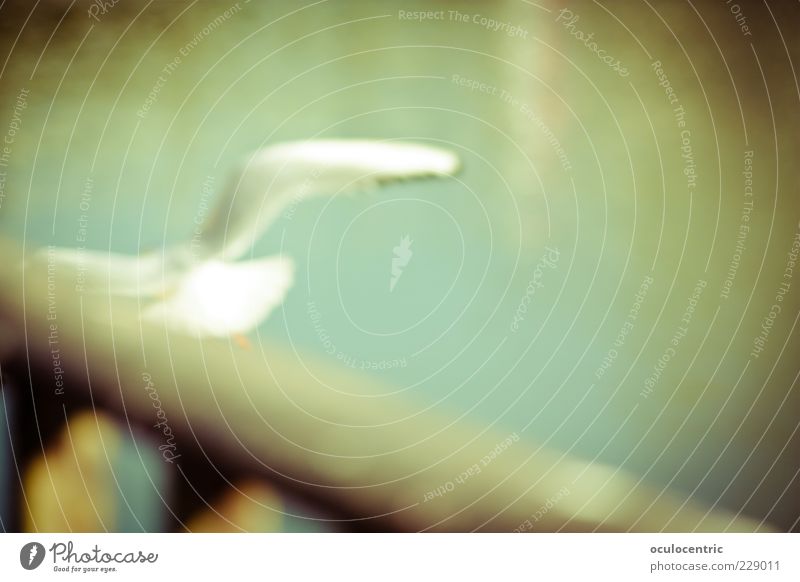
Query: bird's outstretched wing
105, 272
280, 176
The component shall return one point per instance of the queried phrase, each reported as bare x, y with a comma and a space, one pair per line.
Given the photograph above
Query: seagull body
201, 287
219, 298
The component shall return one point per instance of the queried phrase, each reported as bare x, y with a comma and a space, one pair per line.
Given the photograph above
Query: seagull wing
113, 273
283, 175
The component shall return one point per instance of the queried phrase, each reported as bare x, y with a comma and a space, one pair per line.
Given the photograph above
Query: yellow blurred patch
253, 507
71, 486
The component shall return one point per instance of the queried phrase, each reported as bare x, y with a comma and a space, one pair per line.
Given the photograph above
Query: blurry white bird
198, 287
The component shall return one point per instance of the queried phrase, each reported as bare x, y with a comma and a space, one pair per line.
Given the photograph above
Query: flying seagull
200, 286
